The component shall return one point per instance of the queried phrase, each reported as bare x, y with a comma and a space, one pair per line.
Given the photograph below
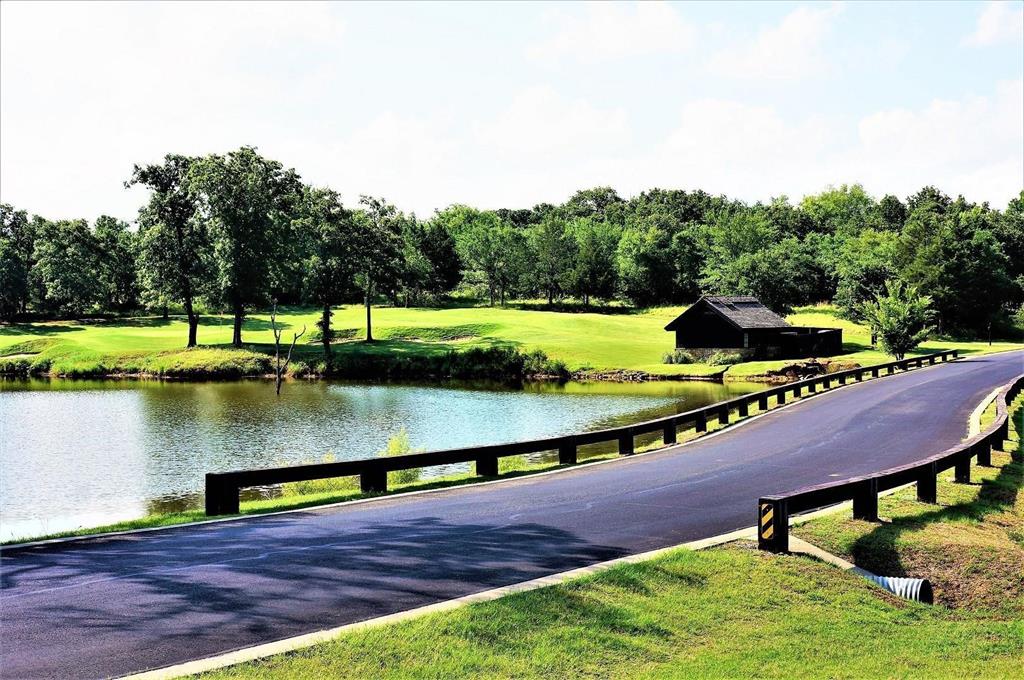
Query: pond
84, 453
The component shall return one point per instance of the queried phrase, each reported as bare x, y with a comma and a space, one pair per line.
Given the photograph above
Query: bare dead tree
279, 367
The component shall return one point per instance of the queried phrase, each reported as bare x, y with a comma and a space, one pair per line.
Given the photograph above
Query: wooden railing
222, 488
774, 511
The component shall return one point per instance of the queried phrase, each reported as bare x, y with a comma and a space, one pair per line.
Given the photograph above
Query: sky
514, 104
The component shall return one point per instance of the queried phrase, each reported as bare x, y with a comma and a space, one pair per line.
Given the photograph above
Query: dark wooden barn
741, 323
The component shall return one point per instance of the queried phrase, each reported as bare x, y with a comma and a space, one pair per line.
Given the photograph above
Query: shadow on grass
36, 329
877, 551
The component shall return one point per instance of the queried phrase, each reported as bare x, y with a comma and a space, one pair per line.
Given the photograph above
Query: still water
84, 453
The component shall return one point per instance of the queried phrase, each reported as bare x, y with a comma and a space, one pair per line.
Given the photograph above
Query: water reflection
80, 453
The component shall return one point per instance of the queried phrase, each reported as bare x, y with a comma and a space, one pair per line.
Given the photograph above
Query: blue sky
513, 104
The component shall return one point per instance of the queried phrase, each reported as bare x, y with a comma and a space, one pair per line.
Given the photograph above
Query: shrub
725, 358
398, 445
676, 356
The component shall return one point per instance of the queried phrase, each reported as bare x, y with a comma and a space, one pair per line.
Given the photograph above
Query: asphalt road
104, 607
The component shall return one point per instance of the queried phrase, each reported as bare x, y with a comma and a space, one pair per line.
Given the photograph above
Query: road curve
111, 606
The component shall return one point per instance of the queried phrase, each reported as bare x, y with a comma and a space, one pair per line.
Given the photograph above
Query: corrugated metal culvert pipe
917, 589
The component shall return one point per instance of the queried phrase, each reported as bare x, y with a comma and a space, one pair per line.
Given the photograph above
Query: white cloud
610, 31
791, 49
973, 146
999, 22
744, 150
540, 122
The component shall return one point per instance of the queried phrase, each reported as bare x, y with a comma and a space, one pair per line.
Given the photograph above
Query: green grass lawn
597, 341
735, 612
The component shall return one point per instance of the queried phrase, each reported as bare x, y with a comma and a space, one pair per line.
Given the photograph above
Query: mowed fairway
633, 341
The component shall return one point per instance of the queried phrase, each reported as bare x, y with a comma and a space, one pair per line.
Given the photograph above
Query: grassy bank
732, 611
727, 612
451, 342
971, 544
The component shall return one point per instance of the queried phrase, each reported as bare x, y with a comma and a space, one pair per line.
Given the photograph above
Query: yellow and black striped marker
767, 522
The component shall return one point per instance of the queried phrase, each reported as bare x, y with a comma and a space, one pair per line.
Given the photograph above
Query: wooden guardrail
774, 511
222, 488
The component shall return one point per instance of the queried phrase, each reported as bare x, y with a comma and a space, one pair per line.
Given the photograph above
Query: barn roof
743, 311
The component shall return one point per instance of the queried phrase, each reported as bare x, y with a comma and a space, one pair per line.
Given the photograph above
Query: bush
703, 355
495, 363
398, 445
725, 358
676, 356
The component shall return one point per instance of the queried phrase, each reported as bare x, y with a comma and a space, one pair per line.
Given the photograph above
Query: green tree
643, 264
437, 245
553, 252
747, 256
843, 210
864, 264
247, 202
593, 269
66, 267
17, 243
174, 246
928, 198
327, 231
600, 203
493, 250
118, 273
378, 251
951, 254
1008, 228
901, 318
892, 212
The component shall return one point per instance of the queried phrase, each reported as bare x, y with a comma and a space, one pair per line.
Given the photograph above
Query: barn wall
705, 328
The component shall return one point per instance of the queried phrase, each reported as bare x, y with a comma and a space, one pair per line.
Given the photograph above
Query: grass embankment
971, 545
426, 342
735, 612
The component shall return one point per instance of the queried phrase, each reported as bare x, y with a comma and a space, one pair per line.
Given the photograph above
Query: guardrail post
927, 484
567, 454
723, 415
221, 496
700, 423
962, 470
931, 360
796, 391
762, 403
373, 481
626, 444
781, 396
741, 410
874, 372
842, 379
1003, 434
812, 387
668, 436
983, 450
773, 525
859, 375
487, 466
826, 383
865, 500
891, 369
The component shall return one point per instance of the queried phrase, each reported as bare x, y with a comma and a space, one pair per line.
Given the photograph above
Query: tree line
233, 232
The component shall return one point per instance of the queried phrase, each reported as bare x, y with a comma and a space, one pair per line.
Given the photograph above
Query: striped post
773, 525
